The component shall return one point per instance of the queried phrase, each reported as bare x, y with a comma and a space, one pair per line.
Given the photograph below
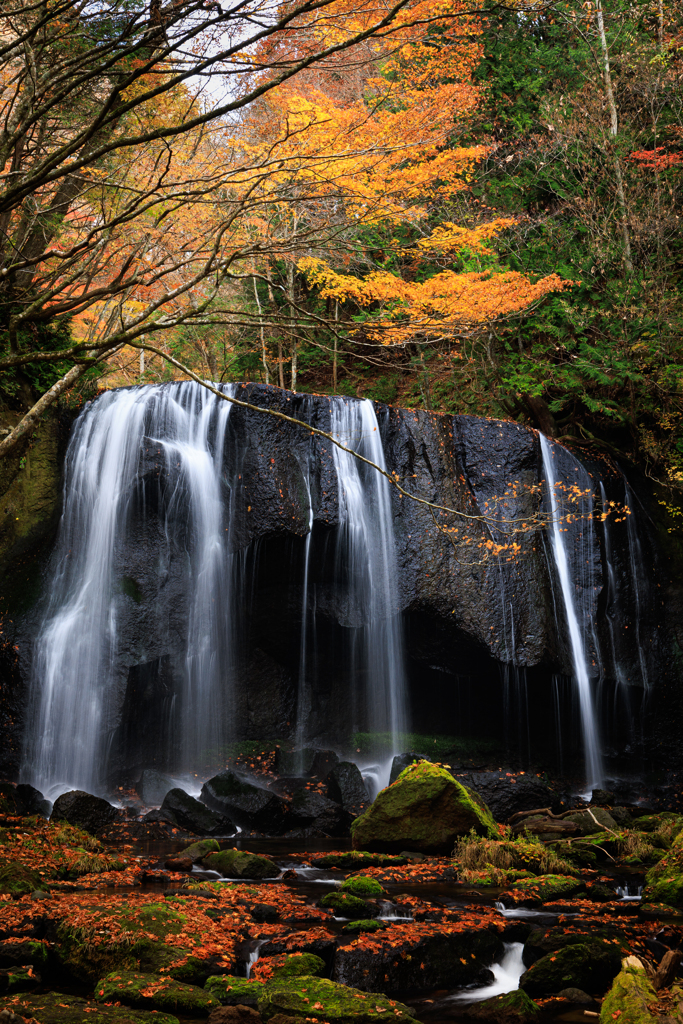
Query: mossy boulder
590, 966
597, 820
154, 992
294, 965
18, 979
630, 996
197, 851
18, 880
330, 1002
28, 951
354, 860
667, 890
239, 864
346, 905
425, 810
361, 886
544, 888
510, 1008
58, 1008
651, 822
231, 991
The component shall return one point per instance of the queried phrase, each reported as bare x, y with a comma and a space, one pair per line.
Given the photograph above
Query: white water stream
506, 974
558, 531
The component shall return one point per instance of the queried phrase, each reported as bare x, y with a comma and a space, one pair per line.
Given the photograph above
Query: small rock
194, 816
8, 1017
578, 996
199, 850
239, 864
602, 798
345, 785
178, 864
40, 894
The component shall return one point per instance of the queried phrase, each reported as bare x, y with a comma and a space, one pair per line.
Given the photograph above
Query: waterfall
366, 559
566, 571
150, 455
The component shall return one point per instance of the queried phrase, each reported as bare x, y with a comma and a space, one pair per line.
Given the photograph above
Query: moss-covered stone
18, 979
590, 966
365, 926
597, 820
354, 860
545, 888
17, 880
30, 951
152, 991
346, 905
510, 1008
425, 810
231, 991
294, 965
330, 1002
651, 822
629, 997
57, 1008
668, 890
657, 910
361, 886
197, 851
239, 864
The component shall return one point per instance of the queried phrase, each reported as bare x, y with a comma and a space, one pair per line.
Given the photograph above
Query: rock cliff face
486, 637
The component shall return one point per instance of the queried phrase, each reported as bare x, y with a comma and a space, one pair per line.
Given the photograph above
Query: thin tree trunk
264, 360
334, 358
28, 424
280, 366
614, 129
292, 331
660, 26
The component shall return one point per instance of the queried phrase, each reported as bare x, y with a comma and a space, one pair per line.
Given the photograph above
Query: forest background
456, 208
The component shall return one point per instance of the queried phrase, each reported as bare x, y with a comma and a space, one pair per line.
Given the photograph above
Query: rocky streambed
557, 916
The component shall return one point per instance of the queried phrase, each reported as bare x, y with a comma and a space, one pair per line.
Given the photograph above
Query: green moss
547, 887
330, 1002
668, 890
346, 905
365, 926
656, 910
154, 992
358, 859
628, 999
57, 1008
17, 880
231, 991
236, 864
293, 966
590, 966
361, 886
510, 1008
197, 851
425, 809
131, 588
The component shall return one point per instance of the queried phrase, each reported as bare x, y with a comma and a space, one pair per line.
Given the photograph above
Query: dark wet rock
540, 943
32, 801
599, 893
510, 1008
178, 864
154, 992
248, 805
602, 798
24, 952
234, 1015
591, 965
623, 816
345, 786
22, 978
239, 864
194, 816
436, 961
60, 1008
577, 996
153, 786
264, 913
311, 809
402, 761
508, 794
425, 810
91, 813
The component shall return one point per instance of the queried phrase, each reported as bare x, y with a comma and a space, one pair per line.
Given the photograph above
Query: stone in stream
345, 786
402, 761
197, 851
234, 1015
60, 1008
91, 813
424, 810
194, 816
589, 966
345, 904
329, 1002
250, 806
313, 810
542, 889
510, 1008
630, 997
154, 992
153, 786
239, 864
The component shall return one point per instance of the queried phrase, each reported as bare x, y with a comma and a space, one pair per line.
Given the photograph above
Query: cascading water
366, 559
133, 451
565, 577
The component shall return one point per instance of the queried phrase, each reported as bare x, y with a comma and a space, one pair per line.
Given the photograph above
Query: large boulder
402, 761
250, 806
32, 801
240, 864
345, 786
590, 966
630, 997
154, 992
424, 810
194, 816
59, 1008
507, 793
336, 1004
84, 810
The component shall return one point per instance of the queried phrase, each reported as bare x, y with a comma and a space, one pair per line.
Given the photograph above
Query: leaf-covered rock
590, 966
328, 1001
152, 991
240, 864
426, 810
58, 1008
345, 904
